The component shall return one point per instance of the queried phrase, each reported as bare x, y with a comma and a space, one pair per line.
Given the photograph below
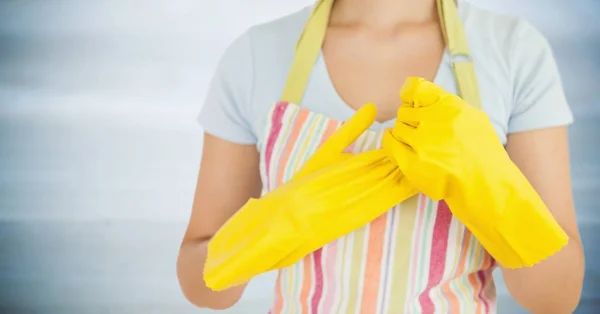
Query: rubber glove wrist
452, 152
332, 195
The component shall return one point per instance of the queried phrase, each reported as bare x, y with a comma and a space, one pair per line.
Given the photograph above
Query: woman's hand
270, 225
447, 139
452, 152
229, 176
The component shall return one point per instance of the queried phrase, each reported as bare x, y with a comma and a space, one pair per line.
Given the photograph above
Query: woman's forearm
552, 286
190, 267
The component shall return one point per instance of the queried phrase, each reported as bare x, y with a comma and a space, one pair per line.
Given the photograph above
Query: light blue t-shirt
518, 78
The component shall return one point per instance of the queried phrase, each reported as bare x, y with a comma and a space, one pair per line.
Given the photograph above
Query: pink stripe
331, 283
276, 121
484, 282
318, 292
439, 247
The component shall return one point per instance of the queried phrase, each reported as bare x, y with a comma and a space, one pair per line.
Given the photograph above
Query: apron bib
416, 258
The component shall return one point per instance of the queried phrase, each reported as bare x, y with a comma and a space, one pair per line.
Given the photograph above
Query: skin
554, 285
230, 170
370, 37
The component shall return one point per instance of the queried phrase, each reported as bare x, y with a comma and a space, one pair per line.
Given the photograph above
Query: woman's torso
416, 258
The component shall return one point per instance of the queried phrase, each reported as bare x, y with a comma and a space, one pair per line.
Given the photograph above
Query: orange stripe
289, 146
476, 284
331, 127
455, 308
307, 265
473, 277
372, 276
486, 263
452, 298
278, 307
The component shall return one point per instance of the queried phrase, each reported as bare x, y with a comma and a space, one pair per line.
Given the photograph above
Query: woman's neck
383, 13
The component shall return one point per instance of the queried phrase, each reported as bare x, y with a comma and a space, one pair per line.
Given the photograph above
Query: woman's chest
321, 96
372, 67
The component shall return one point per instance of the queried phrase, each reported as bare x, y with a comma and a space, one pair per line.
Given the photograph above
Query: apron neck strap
311, 41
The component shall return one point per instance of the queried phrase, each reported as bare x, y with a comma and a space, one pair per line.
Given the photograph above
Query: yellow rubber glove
296, 218
452, 152
332, 150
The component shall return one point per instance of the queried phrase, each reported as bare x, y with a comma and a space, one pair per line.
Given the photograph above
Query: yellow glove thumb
332, 151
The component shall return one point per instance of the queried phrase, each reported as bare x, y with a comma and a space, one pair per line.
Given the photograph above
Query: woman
416, 258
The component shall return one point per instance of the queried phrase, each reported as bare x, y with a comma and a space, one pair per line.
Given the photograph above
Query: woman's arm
554, 285
229, 176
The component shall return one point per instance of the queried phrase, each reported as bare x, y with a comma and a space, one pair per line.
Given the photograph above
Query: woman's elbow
207, 302
190, 265
203, 298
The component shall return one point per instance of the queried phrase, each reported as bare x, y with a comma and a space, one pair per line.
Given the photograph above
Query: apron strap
307, 51
458, 48
311, 41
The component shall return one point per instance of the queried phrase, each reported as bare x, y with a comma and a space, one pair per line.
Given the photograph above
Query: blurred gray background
99, 148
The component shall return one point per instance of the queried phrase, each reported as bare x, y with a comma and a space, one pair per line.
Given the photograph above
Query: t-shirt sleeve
226, 111
538, 97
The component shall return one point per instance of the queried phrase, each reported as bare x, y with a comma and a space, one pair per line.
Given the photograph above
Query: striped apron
416, 258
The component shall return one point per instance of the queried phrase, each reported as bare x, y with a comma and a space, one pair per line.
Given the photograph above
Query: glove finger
418, 92
414, 116
401, 153
332, 149
406, 134
350, 131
